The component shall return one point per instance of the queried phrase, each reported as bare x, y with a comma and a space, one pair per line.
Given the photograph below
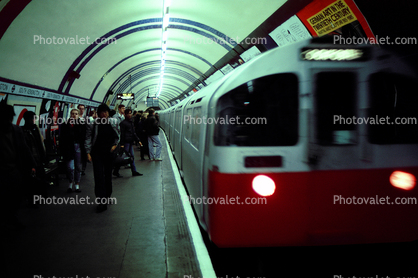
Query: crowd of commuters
97, 138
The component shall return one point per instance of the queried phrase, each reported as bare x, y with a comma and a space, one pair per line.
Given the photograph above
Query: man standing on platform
102, 139
120, 115
152, 129
127, 139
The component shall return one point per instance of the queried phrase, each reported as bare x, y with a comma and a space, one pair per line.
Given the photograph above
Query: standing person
102, 138
143, 136
16, 164
92, 116
72, 138
83, 120
152, 130
134, 113
81, 108
34, 140
127, 139
120, 115
136, 119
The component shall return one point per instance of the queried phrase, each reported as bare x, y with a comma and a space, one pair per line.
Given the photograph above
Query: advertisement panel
342, 17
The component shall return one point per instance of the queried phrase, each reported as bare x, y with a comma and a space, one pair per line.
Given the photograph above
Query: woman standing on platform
102, 138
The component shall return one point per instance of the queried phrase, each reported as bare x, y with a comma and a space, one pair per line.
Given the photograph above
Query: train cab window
335, 94
393, 103
177, 120
265, 113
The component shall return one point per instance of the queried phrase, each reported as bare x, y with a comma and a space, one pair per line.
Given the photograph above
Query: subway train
309, 144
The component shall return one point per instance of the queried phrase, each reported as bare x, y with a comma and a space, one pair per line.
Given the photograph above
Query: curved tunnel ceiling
50, 39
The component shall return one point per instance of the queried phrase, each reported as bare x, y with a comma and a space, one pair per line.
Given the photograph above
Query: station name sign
10, 88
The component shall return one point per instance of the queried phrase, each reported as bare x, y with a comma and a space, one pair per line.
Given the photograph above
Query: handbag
123, 158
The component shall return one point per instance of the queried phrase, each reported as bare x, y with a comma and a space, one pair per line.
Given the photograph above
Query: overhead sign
152, 102
126, 96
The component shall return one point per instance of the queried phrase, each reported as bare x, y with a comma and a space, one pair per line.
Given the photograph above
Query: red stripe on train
307, 208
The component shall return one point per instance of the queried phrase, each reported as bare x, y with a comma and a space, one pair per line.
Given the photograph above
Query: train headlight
264, 185
402, 180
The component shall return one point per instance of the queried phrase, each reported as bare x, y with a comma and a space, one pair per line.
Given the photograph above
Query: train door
177, 135
334, 151
171, 129
332, 138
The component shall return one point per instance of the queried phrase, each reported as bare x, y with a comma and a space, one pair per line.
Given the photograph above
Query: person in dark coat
137, 118
72, 136
127, 139
140, 128
102, 139
16, 164
152, 129
83, 119
34, 140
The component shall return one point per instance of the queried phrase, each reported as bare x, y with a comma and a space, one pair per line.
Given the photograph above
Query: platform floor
144, 234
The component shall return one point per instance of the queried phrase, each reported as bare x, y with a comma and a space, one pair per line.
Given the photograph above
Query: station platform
144, 233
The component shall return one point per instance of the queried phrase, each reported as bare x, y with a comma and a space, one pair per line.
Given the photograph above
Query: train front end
308, 160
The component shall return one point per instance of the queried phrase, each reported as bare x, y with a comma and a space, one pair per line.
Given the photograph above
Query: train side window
335, 108
261, 112
187, 126
197, 121
393, 105
177, 120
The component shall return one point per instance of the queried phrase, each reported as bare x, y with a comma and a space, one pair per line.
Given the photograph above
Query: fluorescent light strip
166, 20
164, 36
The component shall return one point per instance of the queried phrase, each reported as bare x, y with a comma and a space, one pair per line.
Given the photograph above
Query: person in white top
120, 115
